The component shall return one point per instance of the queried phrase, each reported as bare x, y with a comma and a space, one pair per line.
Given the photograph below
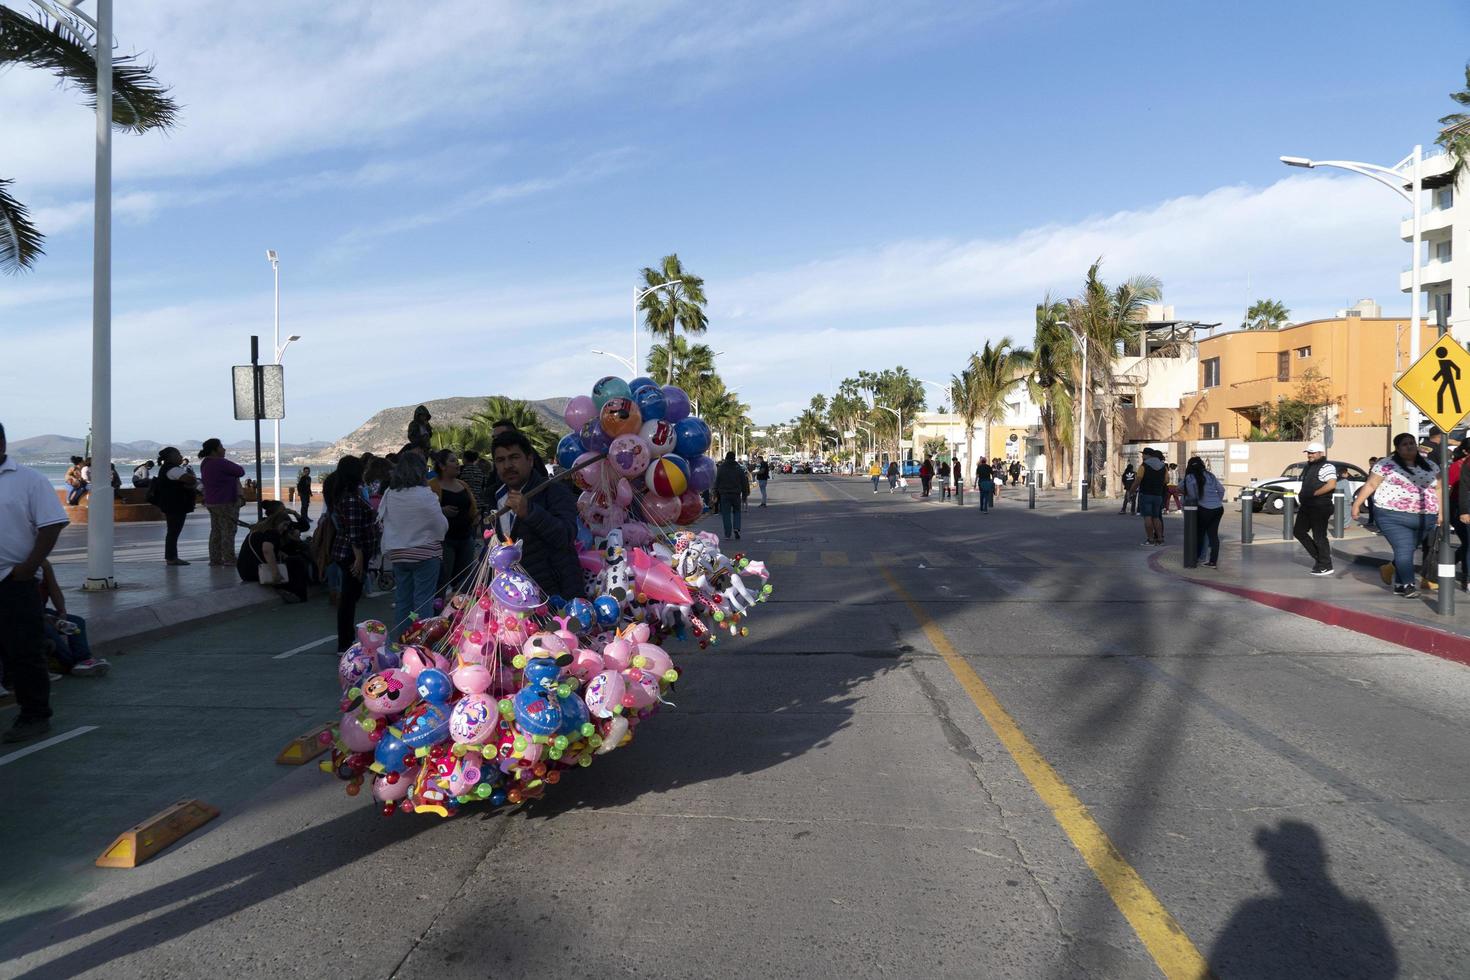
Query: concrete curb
1415, 636
120, 628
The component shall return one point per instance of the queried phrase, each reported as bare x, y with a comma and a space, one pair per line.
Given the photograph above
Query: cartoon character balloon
630, 455
620, 417
608, 388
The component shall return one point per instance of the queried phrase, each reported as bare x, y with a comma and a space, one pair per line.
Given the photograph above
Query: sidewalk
1275, 573
152, 599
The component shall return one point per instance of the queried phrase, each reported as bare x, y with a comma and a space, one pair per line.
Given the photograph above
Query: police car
1270, 494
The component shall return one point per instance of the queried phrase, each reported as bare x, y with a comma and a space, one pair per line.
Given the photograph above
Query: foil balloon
619, 417
372, 633
604, 694
676, 403
388, 692
516, 591
579, 412
475, 720
629, 455
355, 663
608, 388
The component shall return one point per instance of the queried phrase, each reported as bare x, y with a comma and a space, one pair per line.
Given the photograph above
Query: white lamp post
1083, 385
1407, 170
898, 415
620, 359
638, 298
948, 391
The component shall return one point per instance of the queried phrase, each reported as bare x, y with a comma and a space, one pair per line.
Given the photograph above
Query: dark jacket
170, 496
733, 481
763, 471
546, 537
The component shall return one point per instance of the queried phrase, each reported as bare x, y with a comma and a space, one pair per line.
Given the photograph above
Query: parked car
1269, 494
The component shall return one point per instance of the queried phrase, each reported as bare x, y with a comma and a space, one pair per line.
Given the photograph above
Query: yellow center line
834, 559
1160, 933
820, 491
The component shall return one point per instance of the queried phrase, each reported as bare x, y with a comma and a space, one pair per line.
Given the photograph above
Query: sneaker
177, 561
1408, 592
92, 667
737, 534
53, 676
1322, 571
1209, 564
26, 729
1145, 544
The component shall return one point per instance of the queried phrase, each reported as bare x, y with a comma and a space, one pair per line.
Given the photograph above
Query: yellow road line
1160, 933
819, 490
780, 558
834, 559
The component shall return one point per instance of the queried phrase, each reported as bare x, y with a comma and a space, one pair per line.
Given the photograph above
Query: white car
1269, 493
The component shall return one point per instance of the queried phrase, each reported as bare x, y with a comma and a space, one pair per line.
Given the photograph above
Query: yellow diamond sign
1439, 383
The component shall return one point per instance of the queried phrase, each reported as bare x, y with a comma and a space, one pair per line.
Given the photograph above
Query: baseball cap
1315, 447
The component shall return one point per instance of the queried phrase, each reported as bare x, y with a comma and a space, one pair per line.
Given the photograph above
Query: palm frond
139, 102
20, 242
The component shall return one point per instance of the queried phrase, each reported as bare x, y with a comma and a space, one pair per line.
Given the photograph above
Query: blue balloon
608, 388
701, 474
567, 451
581, 611
641, 382
389, 753
608, 610
433, 685
676, 403
650, 402
594, 438
691, 437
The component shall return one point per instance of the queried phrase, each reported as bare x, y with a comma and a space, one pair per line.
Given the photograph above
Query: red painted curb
1415, 636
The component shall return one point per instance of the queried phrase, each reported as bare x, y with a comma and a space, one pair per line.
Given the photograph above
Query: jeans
1130, 500
415, 584
459, 558
23, 647
70, 649
1405, 532
223, 522
762, 485
305, 506
347, 608
987, 494
75, 494
173, 527
729, 507
1209, 531
1311, 530
875, 483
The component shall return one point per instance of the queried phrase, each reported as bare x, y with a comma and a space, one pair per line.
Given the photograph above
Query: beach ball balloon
701, 473
691, 505
691, 437
641, 382
660, 435
676, 403
630, 455
650, 402
579, 412
568, 449
609, 387
666, 478
620, 417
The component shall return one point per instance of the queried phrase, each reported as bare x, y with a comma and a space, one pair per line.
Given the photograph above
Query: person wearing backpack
172, 491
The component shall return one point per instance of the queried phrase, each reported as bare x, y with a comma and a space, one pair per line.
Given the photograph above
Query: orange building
1240, 370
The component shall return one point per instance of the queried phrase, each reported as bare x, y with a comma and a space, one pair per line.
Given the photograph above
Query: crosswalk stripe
834, 559
781, 558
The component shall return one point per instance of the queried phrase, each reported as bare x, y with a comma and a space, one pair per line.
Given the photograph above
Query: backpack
322, 540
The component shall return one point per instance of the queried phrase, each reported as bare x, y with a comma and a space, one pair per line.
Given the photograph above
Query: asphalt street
954, 745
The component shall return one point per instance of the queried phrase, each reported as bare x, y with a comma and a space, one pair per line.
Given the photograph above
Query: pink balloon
623, 496
661, 510
586, 664
637, 534
579, 412
386, 792
372, 633
640, 688
656, 580
471, 678
604, 694
629, 455
475, 720
618, 655
352, 735
589, 477
654, 660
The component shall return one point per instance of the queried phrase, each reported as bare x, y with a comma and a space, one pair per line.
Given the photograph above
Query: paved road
955, 745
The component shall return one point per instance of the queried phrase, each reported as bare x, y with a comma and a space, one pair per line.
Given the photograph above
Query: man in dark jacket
544, 524
732, 484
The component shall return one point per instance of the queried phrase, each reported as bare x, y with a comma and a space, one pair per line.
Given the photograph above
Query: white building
1445, 258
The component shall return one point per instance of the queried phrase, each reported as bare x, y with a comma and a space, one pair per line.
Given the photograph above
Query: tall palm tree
64, 48
998, 370
1053, 368
1266, 314
1110, 320
520, 414
679, 307
692, 367
966, 396
1455, 136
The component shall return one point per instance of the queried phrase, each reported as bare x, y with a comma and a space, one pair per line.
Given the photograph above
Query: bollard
1191, 536
1084, 494
1031, 505
1288, 515
1247, 515
959, 493
1339, 514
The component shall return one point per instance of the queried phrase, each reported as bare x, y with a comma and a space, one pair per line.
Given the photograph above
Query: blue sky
462, 200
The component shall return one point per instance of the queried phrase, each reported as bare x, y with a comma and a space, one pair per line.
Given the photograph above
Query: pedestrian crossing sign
1439, 383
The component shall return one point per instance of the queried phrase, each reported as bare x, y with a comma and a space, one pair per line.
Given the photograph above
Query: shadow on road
1309, 928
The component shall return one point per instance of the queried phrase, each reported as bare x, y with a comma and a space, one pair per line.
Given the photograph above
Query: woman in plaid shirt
354, 544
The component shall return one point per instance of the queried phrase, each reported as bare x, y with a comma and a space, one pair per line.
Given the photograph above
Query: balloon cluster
493, 700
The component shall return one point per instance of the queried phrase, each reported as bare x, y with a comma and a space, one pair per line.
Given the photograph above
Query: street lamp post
899, 441
872, 443
1409, 170
638, 298
1082, 415
619, 358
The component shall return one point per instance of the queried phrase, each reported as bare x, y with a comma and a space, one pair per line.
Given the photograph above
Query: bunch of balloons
494, 699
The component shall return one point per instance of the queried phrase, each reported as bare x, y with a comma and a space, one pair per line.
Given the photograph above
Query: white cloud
1314, 242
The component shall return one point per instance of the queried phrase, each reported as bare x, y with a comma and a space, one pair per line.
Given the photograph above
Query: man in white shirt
31, 518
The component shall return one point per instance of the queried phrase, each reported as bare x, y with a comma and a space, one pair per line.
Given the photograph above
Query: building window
1212, 372
1127, 401
1209, 430
1283, 366
1443, 251
1444, 198
1303, 352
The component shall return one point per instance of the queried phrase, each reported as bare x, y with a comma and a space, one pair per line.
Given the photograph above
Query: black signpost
259, 388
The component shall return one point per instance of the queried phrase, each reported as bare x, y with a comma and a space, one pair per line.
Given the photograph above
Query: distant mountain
56, 449
387, 431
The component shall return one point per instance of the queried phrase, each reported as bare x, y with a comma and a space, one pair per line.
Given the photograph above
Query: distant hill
55, 449
387, 431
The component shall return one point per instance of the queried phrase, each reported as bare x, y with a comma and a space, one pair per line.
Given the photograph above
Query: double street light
280, 350
1409, 171
638, 298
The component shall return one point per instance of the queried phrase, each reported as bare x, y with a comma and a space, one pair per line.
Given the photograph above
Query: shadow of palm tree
1308, 928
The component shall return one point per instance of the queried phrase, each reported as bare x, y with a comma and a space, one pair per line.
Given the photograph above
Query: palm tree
1053, 367
64, 48
692, 367
1111, 321
520, 414
1266, 314
997, 370
1455, 136
680, 306
966, 397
